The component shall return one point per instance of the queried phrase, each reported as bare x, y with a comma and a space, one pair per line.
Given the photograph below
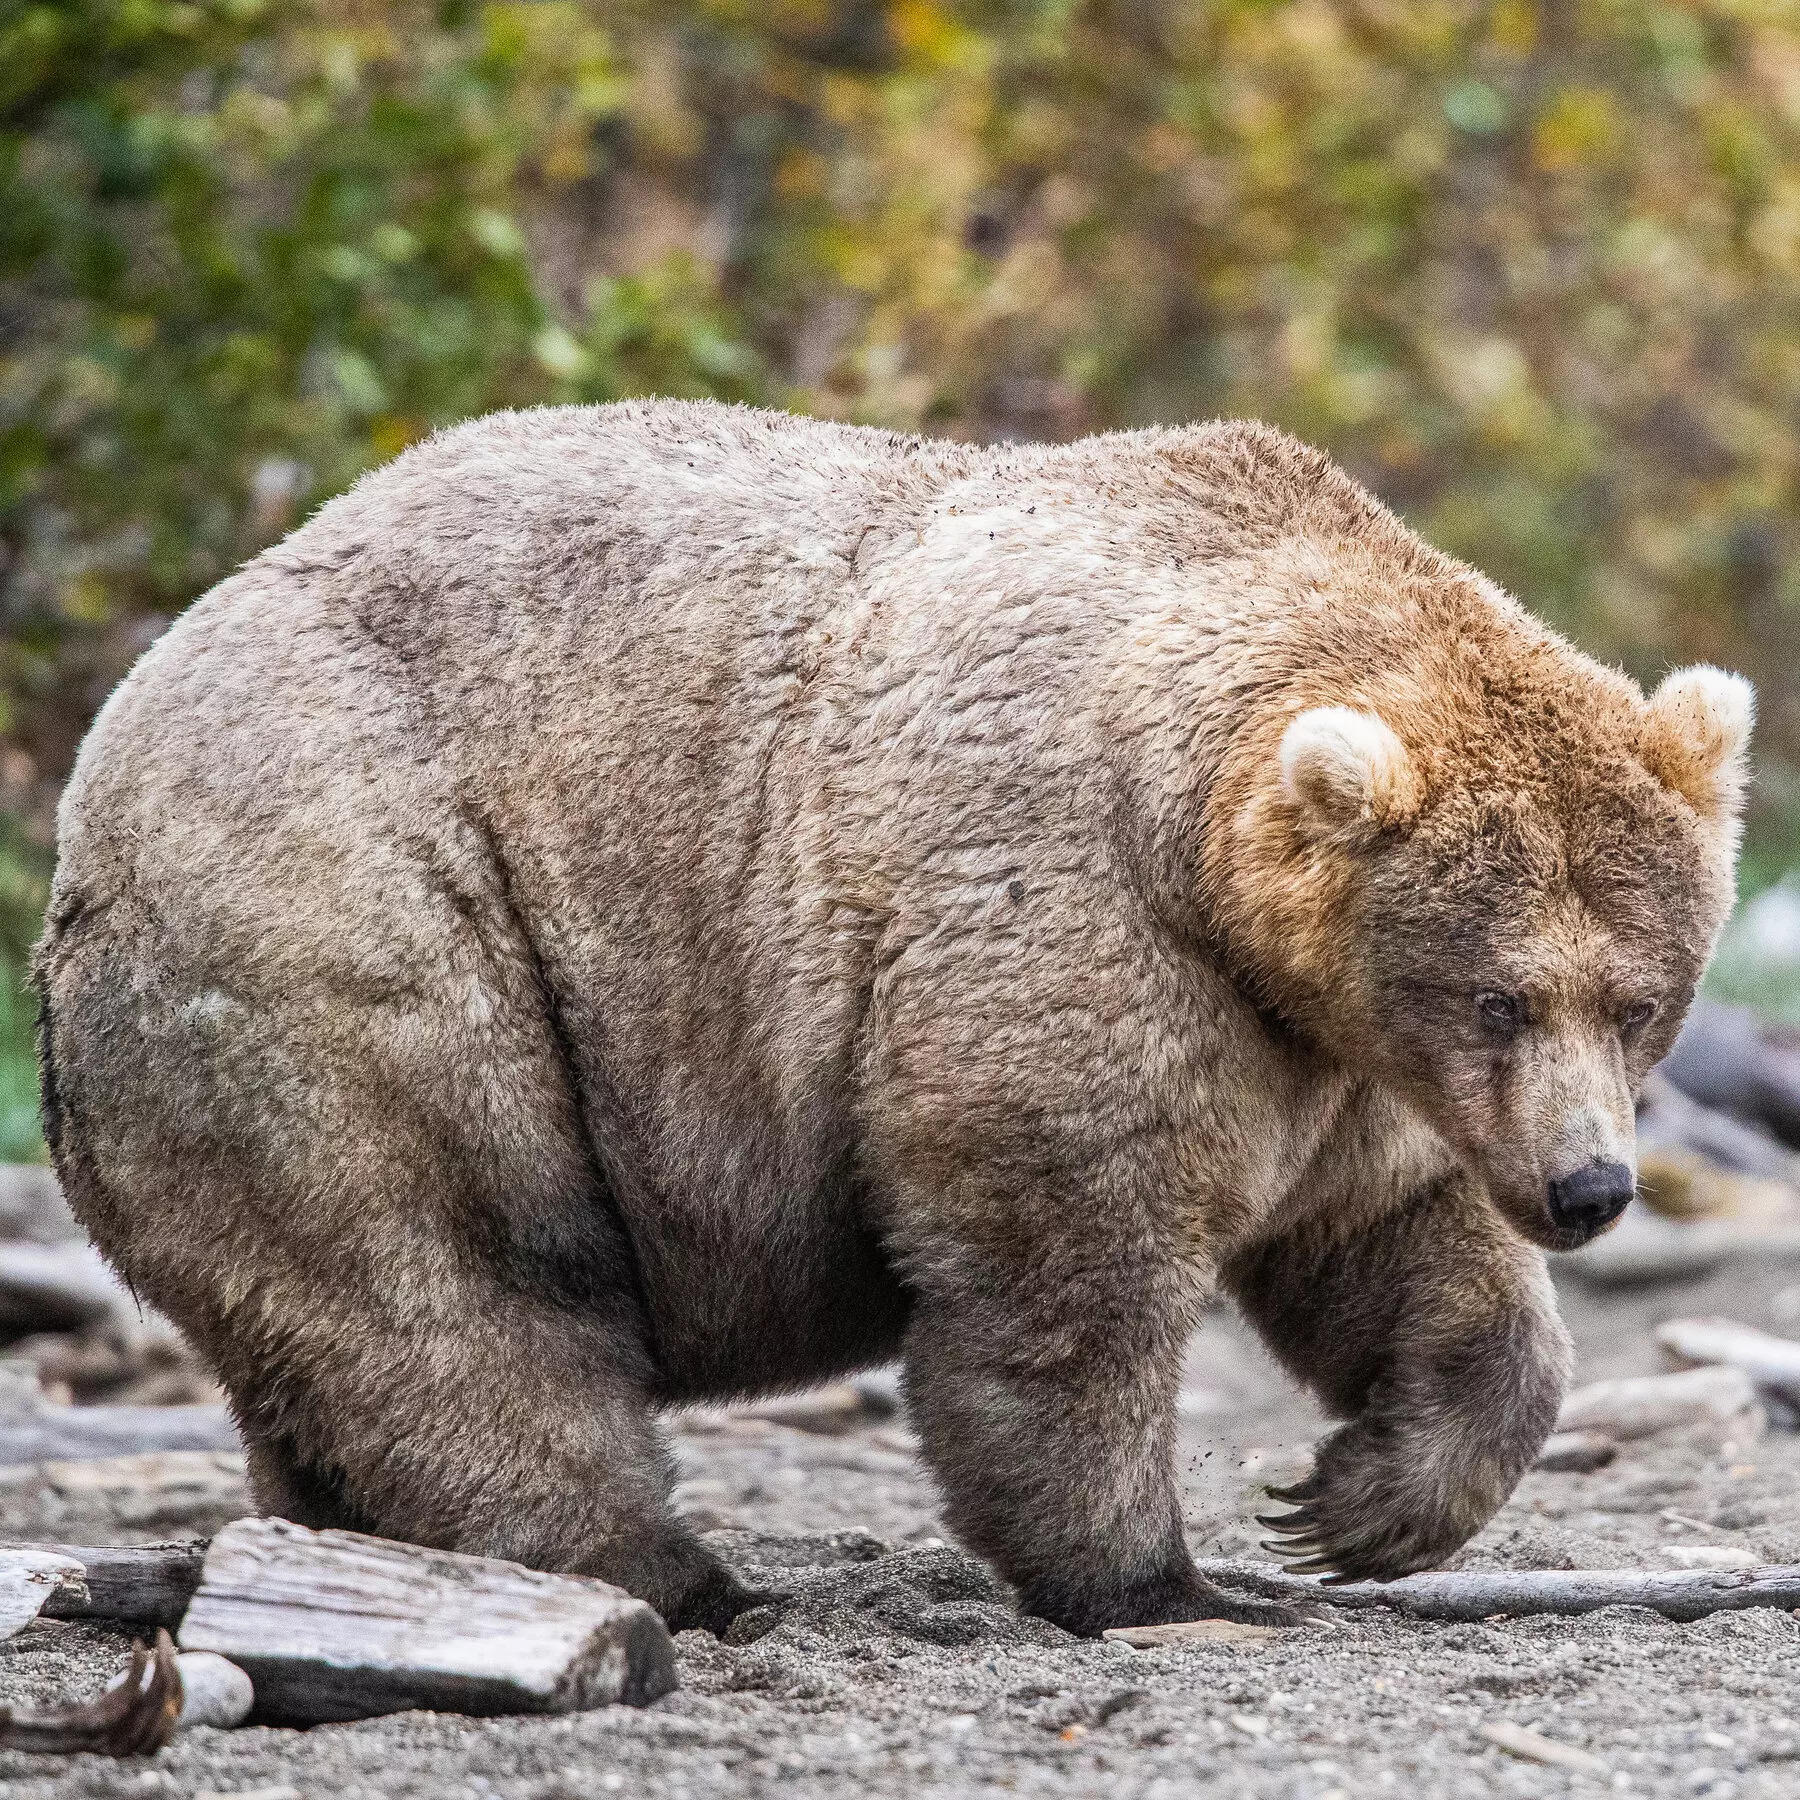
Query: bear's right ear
1695, 734
1347, 775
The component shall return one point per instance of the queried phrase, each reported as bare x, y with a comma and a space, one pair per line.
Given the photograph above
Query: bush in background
1530, 270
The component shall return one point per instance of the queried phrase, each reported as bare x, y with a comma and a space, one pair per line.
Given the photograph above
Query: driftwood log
45, 1431
1644, 1249
134, 1584
1729, 1058
1772, 1363
1470, 1594
58, 1287
1715, 1403
1576, 1452
332, 1625
1668, 1119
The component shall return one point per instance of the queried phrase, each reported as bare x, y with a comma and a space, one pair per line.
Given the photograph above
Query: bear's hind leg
374, 1209
484, 1423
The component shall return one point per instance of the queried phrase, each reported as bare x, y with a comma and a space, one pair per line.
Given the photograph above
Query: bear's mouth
1561, 1239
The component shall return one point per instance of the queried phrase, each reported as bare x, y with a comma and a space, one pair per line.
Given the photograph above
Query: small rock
1576, 1452
214, 1691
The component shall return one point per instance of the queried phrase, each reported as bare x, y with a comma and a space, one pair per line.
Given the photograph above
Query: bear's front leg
1434, 1332
1044, 1400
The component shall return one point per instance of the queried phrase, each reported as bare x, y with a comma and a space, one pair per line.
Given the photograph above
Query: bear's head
1497, 903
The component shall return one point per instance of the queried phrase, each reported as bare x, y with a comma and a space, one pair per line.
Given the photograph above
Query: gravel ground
898, 1669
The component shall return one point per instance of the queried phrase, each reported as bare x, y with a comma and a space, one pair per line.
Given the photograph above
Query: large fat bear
659, 902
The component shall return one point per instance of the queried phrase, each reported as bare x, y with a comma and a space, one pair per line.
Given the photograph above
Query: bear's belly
736, 1310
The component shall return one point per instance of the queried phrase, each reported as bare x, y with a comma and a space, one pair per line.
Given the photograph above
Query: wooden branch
333, 1625
136, 1585
31, 1577
1471, 1594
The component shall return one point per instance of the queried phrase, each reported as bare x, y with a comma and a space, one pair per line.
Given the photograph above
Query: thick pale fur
659, 902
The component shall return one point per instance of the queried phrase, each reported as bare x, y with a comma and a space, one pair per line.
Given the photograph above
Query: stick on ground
1470, 1594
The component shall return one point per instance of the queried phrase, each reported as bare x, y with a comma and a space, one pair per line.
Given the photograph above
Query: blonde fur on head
1696, 733
1346, 774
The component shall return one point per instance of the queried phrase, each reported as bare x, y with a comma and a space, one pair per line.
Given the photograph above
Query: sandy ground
898, 1668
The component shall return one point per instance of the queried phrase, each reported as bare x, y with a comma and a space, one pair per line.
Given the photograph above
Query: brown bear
652, 903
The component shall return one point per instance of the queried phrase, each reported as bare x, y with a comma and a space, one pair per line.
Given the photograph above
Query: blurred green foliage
1528, 267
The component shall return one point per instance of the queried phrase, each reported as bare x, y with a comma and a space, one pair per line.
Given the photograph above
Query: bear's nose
1590, 1199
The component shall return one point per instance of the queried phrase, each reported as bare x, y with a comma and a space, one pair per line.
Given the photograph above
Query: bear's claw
1309, 1489
1289, 1524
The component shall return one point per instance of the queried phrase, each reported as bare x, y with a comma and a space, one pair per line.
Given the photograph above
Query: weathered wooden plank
1469, 1594
334, 1625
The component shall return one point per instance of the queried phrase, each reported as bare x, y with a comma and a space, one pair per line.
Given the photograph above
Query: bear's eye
1636, 1016
1502, 1014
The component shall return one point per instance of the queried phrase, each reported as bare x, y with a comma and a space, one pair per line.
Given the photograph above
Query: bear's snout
1585, 1203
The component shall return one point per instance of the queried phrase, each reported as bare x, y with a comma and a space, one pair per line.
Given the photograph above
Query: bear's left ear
1695, 733
1347, 775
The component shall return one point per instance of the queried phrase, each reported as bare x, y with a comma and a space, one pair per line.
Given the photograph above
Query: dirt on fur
896, 1666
